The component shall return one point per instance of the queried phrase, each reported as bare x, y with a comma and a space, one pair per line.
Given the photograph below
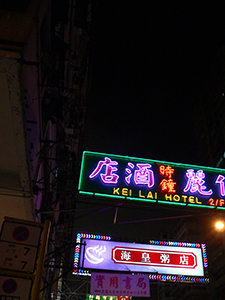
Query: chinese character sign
120, 285
166, 261
154, 181
145, 258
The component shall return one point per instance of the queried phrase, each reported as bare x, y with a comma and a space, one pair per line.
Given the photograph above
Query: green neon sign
138, 179
96, 297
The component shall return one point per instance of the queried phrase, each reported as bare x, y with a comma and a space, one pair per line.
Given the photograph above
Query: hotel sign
151, 181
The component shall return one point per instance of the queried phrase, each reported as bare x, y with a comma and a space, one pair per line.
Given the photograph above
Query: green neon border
150, 200
217, 170
171, 203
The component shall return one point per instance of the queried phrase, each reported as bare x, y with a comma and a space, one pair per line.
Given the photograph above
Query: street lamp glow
219, 225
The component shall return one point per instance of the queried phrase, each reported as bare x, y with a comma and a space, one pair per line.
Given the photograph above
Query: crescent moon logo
93, 254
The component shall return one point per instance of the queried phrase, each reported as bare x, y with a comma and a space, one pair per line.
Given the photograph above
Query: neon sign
151, 181
169, 261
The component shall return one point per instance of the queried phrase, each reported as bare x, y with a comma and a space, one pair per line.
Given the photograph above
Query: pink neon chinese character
128, 171
195, 183
220, 180
144, 175
108, 176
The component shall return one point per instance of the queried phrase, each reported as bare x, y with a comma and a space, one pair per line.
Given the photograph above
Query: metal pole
40, 264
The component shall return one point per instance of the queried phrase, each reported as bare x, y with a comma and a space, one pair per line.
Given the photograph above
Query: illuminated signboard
152, 181
163, 260
120, 284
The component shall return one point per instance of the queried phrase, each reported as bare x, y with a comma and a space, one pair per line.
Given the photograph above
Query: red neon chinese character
167, 171
168, 185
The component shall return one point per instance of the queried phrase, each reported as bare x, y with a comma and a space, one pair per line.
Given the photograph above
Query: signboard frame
151, 181
160, 274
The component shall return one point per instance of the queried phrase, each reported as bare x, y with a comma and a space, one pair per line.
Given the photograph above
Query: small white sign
120, 285
15, 288
17, 257
20, 233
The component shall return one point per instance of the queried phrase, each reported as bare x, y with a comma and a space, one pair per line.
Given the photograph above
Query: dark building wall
209, 120
50, 45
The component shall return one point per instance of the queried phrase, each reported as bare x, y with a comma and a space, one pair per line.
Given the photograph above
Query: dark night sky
150, 62
151, 58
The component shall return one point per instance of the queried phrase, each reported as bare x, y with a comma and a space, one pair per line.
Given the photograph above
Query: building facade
45, 74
